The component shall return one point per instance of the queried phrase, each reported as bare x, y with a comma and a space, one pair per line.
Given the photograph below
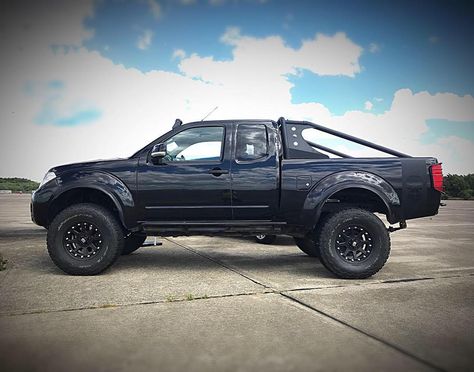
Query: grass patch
3, 263
107, 306
187, 297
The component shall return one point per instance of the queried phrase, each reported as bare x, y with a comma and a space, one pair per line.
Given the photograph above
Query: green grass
18, 184
3, 263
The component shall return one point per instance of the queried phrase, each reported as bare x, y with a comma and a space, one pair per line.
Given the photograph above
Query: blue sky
395, 72
423, 45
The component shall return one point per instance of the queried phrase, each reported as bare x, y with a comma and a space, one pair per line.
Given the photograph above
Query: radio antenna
214, 109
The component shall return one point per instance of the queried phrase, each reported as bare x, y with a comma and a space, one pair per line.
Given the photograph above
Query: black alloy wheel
265, 239
82, 240
85, 239
353, 243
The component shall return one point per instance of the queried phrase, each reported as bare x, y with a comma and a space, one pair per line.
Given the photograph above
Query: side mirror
158, 153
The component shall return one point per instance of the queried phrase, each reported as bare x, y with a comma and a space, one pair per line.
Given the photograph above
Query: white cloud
136, 107
374, 48
179, 54
322, 55
368, 105
155, 8
144, 40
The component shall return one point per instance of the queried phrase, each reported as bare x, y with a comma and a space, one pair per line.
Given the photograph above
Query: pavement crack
366, 334
115, 306
220, 263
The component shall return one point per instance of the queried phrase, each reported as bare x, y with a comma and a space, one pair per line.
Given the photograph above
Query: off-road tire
110, 231
334, 259
132, 243
266, 239
308, 245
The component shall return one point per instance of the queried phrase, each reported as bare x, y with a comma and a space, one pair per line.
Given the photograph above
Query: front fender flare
105, 182
336, 182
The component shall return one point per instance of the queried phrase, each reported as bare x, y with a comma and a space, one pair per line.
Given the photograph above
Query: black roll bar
345, 136
327, 149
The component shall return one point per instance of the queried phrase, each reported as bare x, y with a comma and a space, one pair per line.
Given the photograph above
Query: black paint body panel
271, 194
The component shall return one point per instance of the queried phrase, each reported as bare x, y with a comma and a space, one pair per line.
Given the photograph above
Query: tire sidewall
380, 243
307, 245
106, 255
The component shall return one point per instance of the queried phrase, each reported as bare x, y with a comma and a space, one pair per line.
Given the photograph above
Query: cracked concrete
200, 303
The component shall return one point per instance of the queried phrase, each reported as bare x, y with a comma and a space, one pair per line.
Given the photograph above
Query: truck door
255, 172
192, 183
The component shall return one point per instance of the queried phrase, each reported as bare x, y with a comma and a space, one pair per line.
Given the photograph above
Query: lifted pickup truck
241, 177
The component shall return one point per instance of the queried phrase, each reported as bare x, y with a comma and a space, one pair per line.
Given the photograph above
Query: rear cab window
251, 142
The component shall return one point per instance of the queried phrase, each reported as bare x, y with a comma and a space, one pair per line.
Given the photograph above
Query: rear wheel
84, 239
354, 244
308, 246
133, 242
265, 239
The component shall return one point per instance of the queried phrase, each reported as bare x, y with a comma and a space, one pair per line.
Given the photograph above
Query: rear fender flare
336, 182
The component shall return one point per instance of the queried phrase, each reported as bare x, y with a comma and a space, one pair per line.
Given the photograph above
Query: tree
454, 184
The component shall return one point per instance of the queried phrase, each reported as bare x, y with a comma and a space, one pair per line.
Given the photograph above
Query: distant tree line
18, 184
456, 186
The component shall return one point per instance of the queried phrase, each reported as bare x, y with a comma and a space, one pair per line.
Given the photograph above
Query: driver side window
203, 144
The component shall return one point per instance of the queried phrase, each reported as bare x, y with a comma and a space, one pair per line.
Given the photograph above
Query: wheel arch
95, 187
352, 188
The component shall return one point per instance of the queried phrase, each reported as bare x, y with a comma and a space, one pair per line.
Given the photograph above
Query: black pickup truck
241, 177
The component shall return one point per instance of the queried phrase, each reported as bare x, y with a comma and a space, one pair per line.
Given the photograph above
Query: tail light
437, 176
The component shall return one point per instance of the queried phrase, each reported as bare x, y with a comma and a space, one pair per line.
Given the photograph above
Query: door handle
218, 171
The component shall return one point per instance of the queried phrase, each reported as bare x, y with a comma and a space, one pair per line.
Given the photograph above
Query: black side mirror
158, 153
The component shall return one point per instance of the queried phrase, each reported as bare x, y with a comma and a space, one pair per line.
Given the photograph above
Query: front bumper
39, 205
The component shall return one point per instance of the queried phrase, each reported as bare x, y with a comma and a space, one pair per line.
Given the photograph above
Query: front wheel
133, 242
84, 239
354, 244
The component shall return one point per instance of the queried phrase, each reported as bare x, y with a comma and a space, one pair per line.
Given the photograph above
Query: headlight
48, 177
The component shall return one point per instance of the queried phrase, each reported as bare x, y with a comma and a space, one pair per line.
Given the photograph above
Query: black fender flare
114, 188
339, 181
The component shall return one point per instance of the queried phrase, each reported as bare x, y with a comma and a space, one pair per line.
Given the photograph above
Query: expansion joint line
288, 297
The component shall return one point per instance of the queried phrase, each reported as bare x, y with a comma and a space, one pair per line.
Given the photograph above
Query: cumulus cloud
144, 40
368, 105
127, 108
270, 56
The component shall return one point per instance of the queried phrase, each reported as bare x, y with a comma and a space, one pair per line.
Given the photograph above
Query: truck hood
93, 164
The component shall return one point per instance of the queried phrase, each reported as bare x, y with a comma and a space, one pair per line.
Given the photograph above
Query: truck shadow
288, 264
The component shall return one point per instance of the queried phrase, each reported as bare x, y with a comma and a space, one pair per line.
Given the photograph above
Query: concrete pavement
200, 303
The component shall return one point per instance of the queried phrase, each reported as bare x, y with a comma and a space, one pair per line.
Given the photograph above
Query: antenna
214, 109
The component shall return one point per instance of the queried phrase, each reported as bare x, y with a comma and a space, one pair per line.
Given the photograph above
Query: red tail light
437, 177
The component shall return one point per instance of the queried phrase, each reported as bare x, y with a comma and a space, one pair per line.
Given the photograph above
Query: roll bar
360, 141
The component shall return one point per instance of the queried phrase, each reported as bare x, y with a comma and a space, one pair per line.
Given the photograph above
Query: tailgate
420, 198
